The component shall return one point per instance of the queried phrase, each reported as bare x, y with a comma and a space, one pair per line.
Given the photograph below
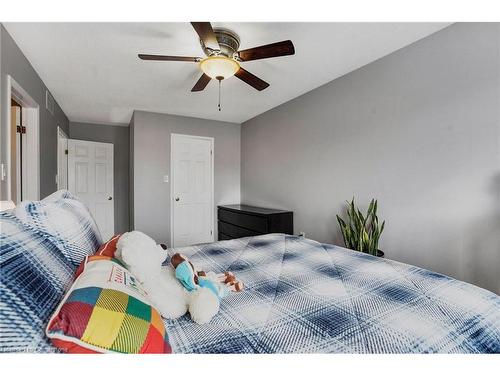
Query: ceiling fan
223, 58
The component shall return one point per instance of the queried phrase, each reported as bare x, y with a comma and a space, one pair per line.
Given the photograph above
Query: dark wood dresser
238, 220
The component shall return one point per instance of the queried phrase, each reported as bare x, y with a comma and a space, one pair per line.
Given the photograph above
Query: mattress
303, 296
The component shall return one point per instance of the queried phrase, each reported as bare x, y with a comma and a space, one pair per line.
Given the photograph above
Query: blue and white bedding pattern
66, 220
38, 258
302, 296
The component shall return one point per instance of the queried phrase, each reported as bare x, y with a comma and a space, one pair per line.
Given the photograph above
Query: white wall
151, 158
419, 130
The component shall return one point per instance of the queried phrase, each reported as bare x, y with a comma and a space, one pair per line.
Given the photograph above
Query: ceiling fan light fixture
219, 66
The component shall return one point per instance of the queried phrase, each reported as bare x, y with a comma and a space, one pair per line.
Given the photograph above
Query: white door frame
173, 136
61, 134
31, 114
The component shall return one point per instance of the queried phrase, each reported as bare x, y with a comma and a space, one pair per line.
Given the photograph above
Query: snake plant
360, 232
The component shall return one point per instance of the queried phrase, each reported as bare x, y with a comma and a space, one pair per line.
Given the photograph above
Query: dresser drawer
256, 223
234, 231
223, 237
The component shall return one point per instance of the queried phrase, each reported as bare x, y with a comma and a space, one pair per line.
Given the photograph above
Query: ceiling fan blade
283, 48
202, 83
206, 34
252, 80
168, 58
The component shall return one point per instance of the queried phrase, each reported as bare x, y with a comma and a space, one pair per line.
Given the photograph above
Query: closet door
192, 190
90, 178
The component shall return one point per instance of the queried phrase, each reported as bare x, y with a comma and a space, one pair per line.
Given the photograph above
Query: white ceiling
93, 71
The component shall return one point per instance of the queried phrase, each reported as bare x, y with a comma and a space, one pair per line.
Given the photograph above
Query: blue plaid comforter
41, 245
302, 296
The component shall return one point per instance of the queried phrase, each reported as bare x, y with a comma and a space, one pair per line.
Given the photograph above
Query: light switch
3, 172
165, 178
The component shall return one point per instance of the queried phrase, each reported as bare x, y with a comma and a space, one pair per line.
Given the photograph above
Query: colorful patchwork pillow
105, 311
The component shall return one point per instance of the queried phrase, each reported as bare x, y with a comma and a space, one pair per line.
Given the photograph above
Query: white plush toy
143, 257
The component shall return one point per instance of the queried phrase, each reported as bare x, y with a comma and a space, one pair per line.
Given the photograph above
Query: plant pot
380, 254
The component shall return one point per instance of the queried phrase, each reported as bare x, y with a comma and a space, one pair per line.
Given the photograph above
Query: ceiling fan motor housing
229, 43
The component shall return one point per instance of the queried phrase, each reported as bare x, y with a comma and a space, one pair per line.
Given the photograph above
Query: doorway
62, 159
17, 151
192, 190
23, 158
90, 178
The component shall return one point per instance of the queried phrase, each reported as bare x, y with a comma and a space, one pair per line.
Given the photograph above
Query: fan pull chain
220, 80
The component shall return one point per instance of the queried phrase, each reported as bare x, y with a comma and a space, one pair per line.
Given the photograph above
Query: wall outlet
165, 178
302, 234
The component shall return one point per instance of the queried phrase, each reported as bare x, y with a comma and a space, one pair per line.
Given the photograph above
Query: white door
192, 219
62, 160
90, 178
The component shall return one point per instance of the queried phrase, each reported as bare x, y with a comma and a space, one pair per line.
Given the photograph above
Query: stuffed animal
198, 282
172, 298
144, 258
190, 278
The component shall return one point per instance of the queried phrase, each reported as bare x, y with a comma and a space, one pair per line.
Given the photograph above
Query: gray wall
151, 148
119, 137
419, 130
14, 63
131, 172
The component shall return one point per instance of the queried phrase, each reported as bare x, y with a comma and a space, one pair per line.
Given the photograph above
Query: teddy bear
144, 258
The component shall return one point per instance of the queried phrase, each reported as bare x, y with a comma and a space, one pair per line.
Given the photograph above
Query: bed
302, 296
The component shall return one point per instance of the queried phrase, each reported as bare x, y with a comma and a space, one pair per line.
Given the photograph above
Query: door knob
110, 198
177, 199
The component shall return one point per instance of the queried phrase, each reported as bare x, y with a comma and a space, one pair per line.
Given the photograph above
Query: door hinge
66, 152
210, 232
21, 129
211, 152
